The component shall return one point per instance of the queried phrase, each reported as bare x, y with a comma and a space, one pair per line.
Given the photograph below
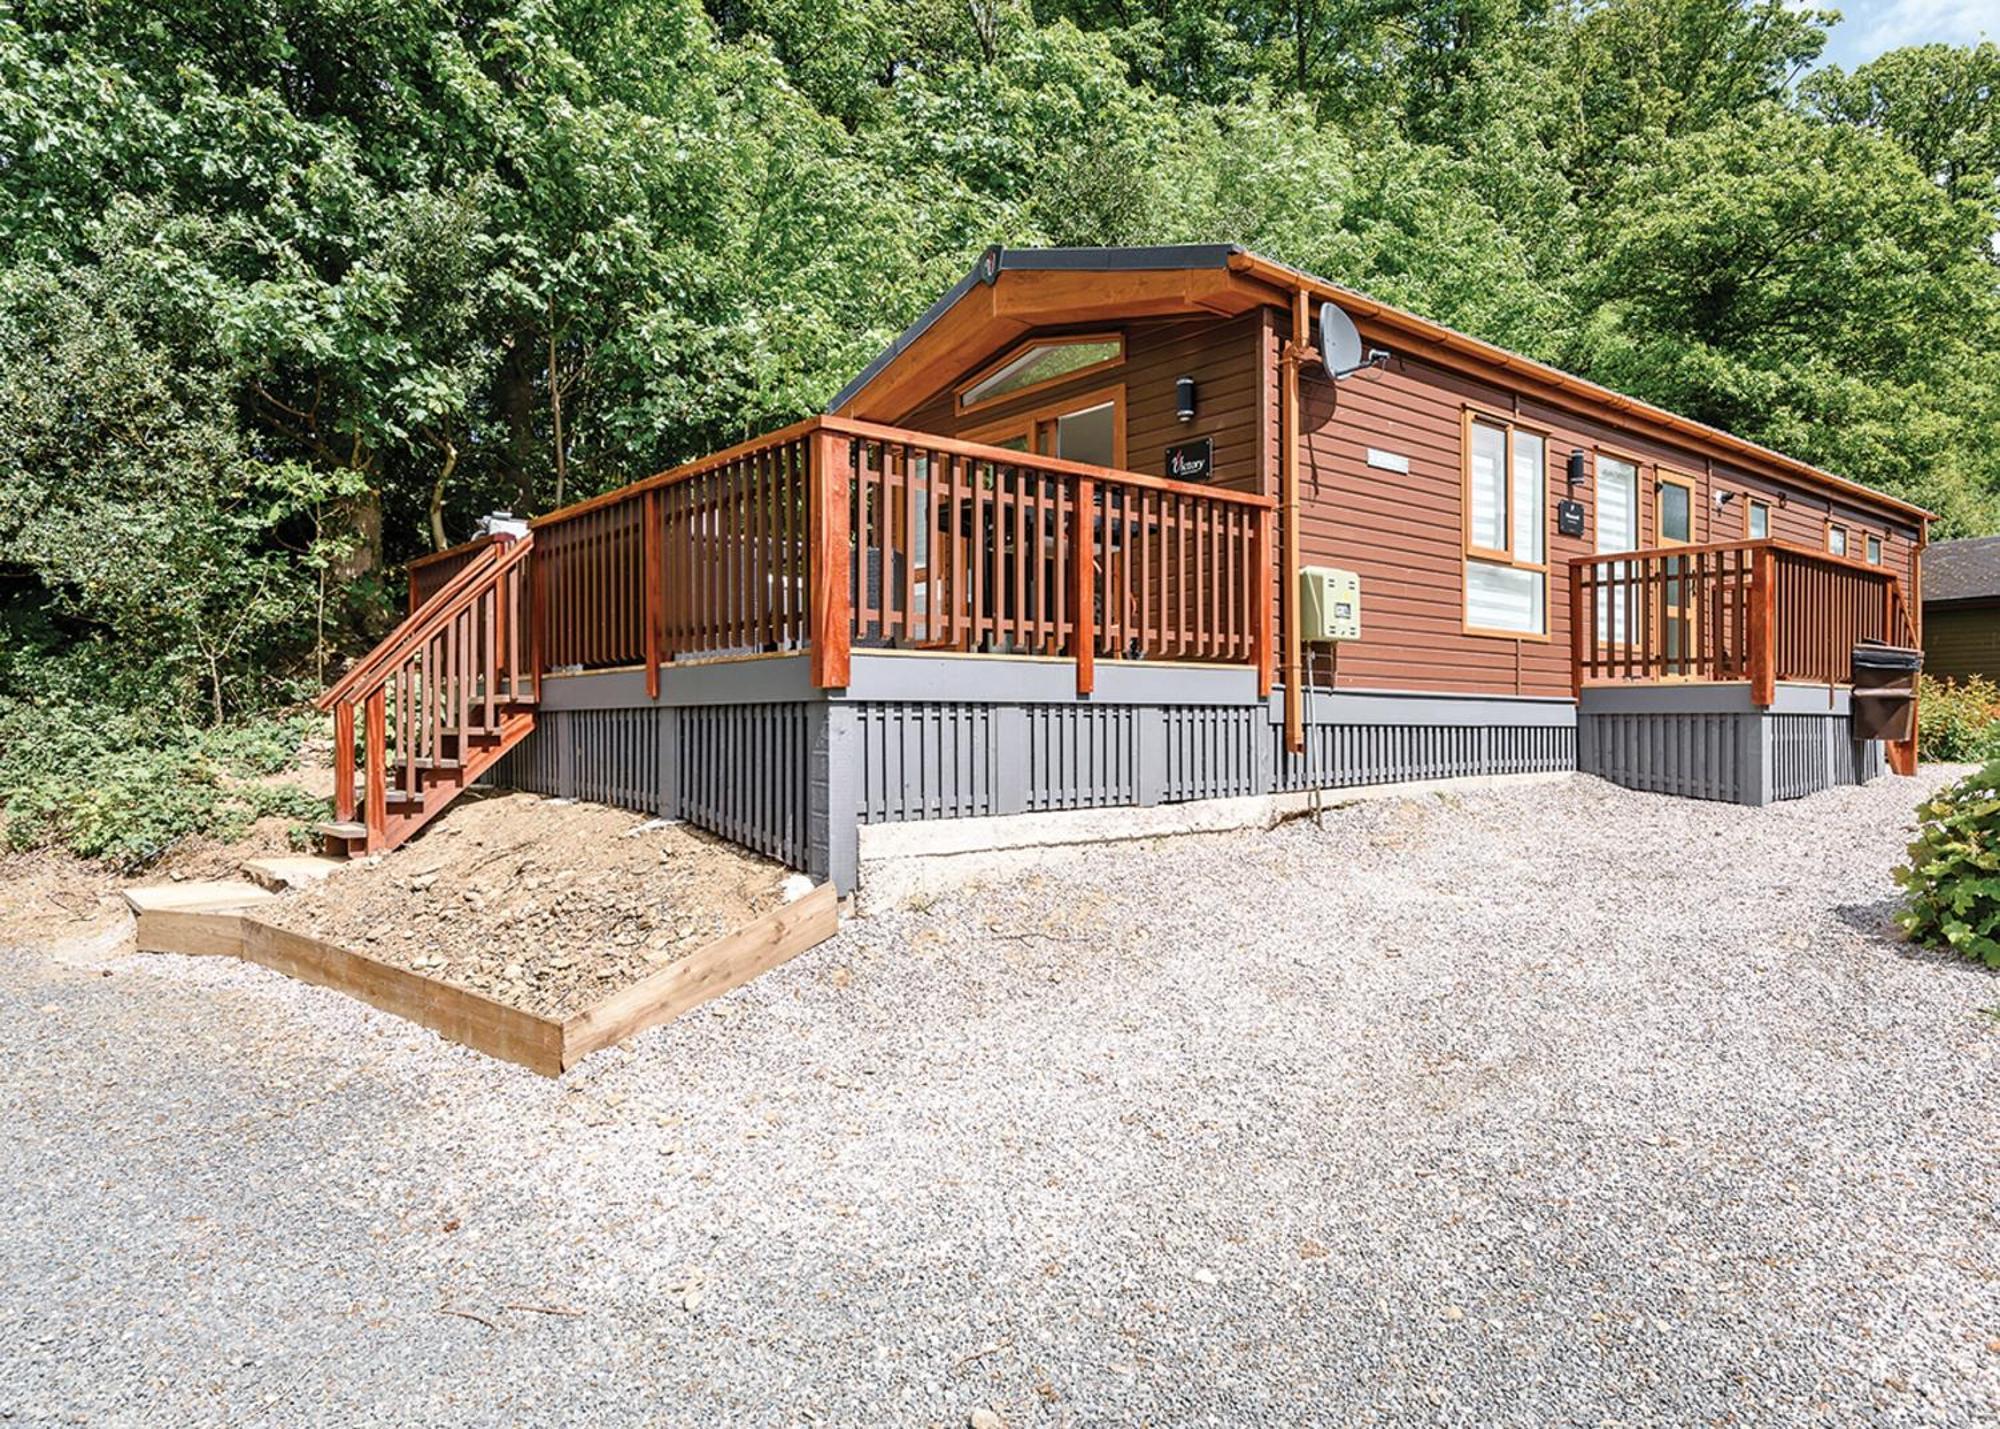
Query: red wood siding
1404, 534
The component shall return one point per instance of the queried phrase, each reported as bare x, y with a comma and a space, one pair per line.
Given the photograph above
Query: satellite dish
1339, 343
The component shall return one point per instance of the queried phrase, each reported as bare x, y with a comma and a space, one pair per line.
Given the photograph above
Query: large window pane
1489, 493
1088, 435
1503, 598
1529, 477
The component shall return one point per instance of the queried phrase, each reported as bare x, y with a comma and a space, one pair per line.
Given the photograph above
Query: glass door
1674, 526
1617, 530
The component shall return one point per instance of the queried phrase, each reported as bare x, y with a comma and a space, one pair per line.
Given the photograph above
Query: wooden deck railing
432, 573
1761, 611
832, 534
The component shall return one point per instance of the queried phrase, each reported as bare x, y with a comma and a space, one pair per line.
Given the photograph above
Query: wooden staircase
444, 696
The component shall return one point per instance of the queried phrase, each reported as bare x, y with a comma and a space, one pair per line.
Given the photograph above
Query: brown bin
1885, 691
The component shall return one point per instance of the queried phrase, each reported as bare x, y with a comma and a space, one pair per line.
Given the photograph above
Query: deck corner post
1082, 590
1763, 627
1582, 626
655, 578
375, 718
832, 617
538, 618
833, 803
1266, 595
343, 762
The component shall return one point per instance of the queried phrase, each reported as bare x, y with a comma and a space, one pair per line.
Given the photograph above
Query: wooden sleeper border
546, 1045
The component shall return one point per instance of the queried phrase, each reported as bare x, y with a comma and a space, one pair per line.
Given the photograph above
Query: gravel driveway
1545, 1106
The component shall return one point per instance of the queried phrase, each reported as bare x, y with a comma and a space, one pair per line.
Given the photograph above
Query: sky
1868, 27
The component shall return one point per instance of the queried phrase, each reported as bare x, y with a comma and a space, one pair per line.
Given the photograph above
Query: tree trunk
555, 402
359, 517
438, 541
520, 375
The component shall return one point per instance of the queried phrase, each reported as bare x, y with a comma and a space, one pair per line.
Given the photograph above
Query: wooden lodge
1106, 530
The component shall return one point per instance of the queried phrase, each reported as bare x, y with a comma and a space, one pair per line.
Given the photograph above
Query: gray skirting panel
741, 771
1710, 742
743, 751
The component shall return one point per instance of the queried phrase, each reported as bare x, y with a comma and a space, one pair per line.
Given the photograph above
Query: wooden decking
1758, 612
832, 534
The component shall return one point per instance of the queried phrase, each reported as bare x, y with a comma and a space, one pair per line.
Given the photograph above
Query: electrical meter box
1329, 604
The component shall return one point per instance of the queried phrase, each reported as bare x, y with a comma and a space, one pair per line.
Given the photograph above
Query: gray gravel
1400, 1118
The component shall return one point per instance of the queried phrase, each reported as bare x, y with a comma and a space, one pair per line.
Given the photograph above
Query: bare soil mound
545, 904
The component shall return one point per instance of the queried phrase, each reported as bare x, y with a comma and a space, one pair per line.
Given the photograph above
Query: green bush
1960, 720
86, 765
1953, 876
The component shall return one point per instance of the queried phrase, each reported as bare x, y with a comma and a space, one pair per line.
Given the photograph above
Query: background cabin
1962, 608
1046, 554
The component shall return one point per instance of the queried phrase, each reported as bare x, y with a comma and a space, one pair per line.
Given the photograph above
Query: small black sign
1569, 518
1191, 461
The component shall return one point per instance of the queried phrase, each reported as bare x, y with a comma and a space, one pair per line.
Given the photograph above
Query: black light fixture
1184, 398
1576, 467
1723, 498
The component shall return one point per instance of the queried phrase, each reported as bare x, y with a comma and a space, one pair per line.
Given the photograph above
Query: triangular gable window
1039, 363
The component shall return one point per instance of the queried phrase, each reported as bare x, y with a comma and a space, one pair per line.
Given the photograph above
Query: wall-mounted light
1576, 467
1723, 498
1184, 398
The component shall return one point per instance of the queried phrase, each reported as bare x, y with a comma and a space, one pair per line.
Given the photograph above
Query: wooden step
335, 829
194, 895
281, 871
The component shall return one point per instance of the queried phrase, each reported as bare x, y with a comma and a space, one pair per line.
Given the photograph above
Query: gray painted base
749, 750
1710, 742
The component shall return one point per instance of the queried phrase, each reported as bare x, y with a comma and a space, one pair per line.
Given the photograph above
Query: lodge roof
1966, 570
1421, 336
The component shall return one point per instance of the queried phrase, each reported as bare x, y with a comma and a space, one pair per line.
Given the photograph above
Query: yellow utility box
1329, 604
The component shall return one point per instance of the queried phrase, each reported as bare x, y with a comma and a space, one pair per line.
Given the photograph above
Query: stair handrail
423, 622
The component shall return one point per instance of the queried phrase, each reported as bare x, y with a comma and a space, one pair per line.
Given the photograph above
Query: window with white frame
1874, 550
1836, 539
1506, 528
1617, 530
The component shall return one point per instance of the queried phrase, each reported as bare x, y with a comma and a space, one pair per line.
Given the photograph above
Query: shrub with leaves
1960, 720
1953, 876
79, 770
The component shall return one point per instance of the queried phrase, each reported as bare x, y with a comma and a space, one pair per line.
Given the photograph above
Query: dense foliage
292, 290
1961, 720
1953, 876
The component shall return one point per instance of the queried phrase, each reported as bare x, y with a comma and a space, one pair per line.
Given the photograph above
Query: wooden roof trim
1474, 354
991, 317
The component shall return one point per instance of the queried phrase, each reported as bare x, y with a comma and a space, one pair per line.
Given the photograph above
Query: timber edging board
546, 1045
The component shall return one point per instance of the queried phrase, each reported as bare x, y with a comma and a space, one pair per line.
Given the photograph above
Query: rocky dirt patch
546, 904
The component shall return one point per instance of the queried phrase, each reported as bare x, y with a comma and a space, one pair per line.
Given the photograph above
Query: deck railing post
376, 721
1577, 633
1082, 585
343, 762
832, 620
1264, 594
1763, 627
655, 583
